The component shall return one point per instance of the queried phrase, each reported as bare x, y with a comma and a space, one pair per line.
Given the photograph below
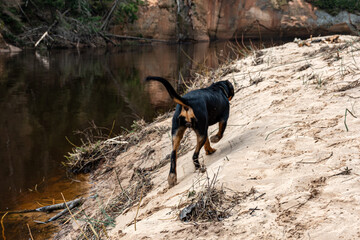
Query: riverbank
290, 154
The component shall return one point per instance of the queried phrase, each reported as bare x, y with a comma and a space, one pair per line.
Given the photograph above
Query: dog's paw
215, 139
202, 169
172, 179
210, 151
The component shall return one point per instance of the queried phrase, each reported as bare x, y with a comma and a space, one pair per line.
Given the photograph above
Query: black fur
209, 105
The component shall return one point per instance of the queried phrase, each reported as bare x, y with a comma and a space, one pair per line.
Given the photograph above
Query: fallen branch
135, 38
107, 40
108, 17
46, 33
59, 206
318, 161
259, 196
67, 205
2, 225
275, 131
137, 210
42, 37
346, 111
346, 171
31, 236
49, 208
253, 210
122, 189
73, 217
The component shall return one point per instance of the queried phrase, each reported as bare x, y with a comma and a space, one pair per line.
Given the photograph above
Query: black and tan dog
198, 110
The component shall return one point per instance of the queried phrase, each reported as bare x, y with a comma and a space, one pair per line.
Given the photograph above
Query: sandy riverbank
286, 145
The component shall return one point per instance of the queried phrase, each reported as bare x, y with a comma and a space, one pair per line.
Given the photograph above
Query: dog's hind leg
220, 133
208, 149
200, 143
176, 143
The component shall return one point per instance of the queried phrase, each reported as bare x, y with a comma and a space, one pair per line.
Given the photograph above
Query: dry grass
205, 76
212, 203
97, 148
140, 184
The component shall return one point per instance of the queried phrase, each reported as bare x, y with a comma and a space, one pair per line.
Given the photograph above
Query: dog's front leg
172, 179
220, 133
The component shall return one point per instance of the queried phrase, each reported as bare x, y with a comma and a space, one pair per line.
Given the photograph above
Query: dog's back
209, 102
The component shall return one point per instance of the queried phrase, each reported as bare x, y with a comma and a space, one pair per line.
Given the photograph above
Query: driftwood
42, 37
108, 17
346, 171
54, 207
71, 204
68, 206
135, 38
46, 33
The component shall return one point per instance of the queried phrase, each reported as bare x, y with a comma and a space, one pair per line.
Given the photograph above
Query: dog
197, 110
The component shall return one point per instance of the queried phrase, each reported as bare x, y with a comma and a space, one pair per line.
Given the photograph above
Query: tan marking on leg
172, 178
177, 139
198, 143
208, 149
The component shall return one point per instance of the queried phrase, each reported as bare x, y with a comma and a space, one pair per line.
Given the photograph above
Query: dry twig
212, 203
31, 236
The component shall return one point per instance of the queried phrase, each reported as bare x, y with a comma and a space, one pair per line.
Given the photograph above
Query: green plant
10, 20
127, 10
333, 7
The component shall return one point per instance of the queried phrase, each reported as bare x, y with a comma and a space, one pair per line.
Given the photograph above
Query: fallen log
136, 38
58, 206
50, 208
42, 37
70, 205
46, 33
108, 17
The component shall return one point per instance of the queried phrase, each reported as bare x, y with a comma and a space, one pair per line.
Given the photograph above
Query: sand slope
286, 140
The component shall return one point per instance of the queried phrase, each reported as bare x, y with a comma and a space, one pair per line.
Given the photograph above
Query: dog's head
227, 88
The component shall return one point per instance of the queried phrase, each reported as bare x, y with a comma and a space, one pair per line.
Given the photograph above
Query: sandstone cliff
181, 20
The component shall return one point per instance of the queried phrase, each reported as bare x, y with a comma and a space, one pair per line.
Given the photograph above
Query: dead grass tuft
140, 181
212, 203
97, 148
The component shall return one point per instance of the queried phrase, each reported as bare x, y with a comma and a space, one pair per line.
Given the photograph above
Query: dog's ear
231, 88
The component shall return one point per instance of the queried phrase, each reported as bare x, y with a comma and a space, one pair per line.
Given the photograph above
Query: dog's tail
173, 94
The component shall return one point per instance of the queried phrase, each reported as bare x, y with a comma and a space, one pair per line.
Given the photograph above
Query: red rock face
226, 19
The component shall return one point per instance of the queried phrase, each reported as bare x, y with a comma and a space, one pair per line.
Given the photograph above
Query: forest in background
78, 23
63, 23
335, 6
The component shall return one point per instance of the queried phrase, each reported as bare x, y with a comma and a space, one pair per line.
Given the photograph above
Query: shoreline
286, 147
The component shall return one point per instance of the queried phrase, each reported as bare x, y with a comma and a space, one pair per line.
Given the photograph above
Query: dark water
45, 96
